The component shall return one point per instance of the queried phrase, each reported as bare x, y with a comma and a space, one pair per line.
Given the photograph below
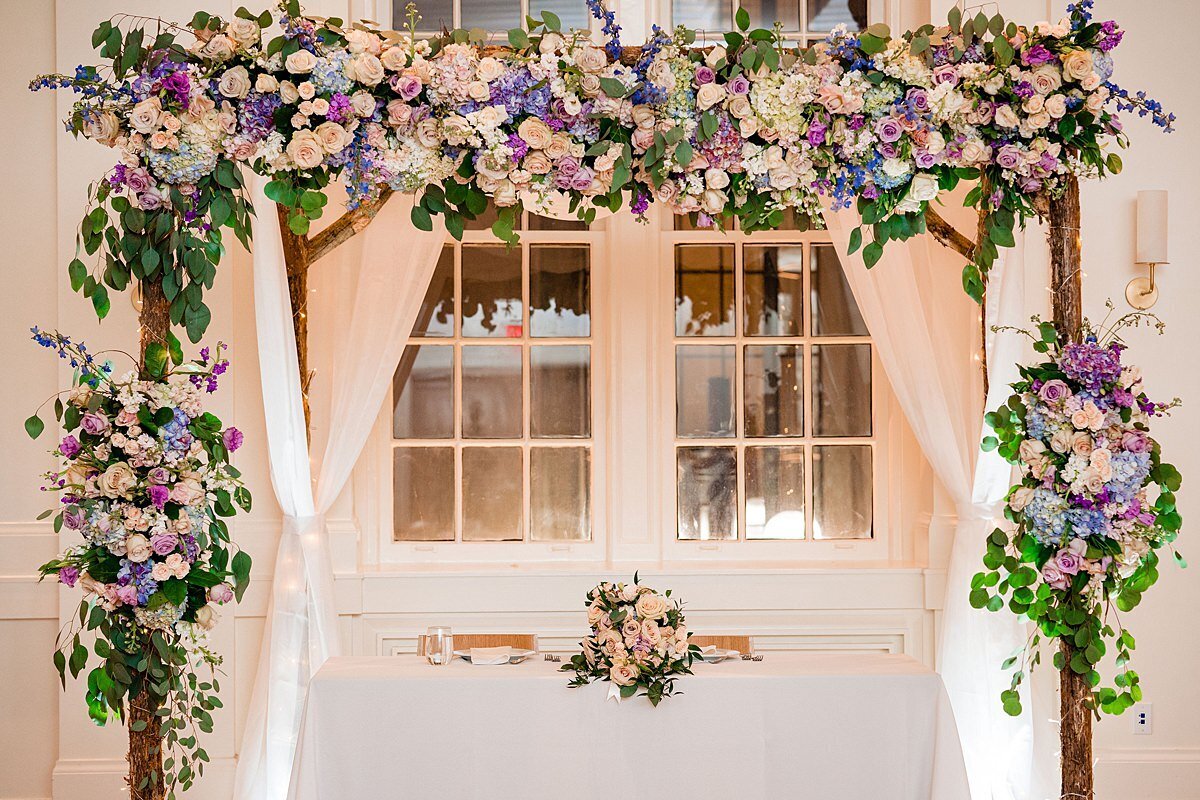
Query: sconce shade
1152, 227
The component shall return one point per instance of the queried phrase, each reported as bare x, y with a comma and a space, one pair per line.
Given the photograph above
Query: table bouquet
638, 641
143, 480
1094, 504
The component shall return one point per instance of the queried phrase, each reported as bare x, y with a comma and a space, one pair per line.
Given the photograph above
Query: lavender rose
221, 593
94, 424
1067, 562
1054, 391
888, 129
164, 543
68, 576
69, 447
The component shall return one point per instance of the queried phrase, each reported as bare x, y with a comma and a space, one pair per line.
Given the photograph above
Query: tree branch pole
1066, 303
145, 744
300, 253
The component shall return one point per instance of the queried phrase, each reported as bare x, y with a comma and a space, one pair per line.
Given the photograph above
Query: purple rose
127, 594
888, 129
221, 593
1053, 576
232, 438
408, 87
158, 475
582, 179
1067, 562
739, 85
888, 150
94, 424
1135, 442
138, 180
164, 543
1054, 391
1038, 54
159, 495
704, 75
918, 99
73, 518
924, 159
69, 447
567, 166
68, 575
1008, 157
816, 133
150, 200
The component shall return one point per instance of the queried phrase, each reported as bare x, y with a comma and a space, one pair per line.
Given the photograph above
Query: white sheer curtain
396, 262
913, 304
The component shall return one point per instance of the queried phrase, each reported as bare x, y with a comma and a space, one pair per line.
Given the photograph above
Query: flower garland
638, 641
145, 481
1085, 525
747, 129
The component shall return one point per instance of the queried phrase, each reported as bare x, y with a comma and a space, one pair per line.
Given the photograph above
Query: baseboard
76, 778
1148, 773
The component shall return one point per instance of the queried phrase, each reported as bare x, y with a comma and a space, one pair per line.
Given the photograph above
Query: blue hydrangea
1129, 473
329, 74
1035, 423
191, 162
1087, 522
1046, 515
175, 433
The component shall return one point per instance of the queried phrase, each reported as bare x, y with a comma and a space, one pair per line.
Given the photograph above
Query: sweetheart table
795, 725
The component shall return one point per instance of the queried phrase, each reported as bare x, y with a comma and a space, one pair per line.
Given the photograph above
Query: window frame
665, 9
527, 6
458, 551
883, 544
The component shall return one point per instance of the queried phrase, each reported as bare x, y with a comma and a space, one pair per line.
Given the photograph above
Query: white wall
47, 747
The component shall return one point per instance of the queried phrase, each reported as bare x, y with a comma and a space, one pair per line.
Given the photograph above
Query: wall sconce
1142, 292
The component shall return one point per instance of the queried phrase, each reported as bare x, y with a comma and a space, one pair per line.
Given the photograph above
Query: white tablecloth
821, 726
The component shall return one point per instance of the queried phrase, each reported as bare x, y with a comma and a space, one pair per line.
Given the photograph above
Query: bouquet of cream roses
638, 640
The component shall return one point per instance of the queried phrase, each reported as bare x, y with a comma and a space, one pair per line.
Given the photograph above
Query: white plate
717, 656
516, 657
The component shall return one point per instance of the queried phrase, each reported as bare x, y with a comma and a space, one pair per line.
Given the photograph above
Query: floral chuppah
747, 130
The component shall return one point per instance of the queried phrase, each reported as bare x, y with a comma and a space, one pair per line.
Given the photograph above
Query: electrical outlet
1143, 719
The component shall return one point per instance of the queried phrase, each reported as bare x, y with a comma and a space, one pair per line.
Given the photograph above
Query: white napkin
491, 655
708, 650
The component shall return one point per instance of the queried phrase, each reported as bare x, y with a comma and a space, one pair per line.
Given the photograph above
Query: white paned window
801, 20
492, 424
496, 17
774, 432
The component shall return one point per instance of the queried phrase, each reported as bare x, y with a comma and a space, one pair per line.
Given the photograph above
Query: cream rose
363, 104
234, 83
137, 548
1056, 106
206, 617
709, 95
651, 606
1046, 78
365, 68
1020, 498
300, 62
535, 133
307, 90
1006, 117
716, 178
623, 674
591, 59
117, 480
536, 163
398, 113
1078, 65
360, 41
660, 74
478, 91
394, 59
288, 92
245, 32
489, 69
550, 43
144, 117
333, 137
218, 48
559, 146
104, 127
305, 150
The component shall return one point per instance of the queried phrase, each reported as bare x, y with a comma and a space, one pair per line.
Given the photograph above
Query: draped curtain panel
913, 306
395, 264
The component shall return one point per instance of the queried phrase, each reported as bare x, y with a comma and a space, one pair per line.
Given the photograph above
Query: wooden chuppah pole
1066, 285
300, 253
145, 742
